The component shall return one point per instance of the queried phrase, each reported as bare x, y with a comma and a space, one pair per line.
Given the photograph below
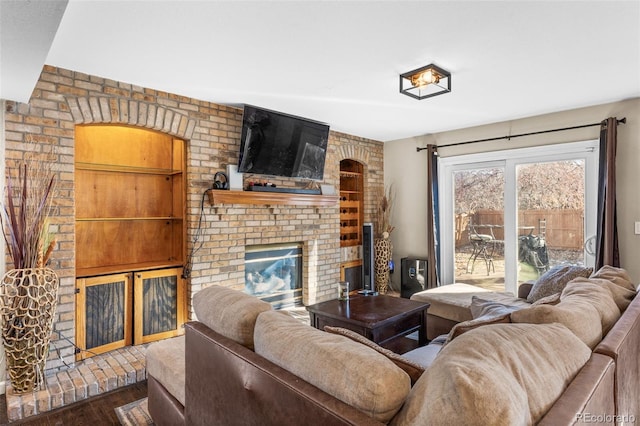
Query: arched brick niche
96, 109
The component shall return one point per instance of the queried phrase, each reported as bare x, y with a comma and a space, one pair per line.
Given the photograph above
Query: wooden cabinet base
118, 310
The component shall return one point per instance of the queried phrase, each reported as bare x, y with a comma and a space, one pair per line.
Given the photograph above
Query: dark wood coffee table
386, 320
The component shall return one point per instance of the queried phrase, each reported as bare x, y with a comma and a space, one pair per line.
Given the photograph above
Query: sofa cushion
229, 312
350, 371
574, 311
599, 296
165, 362
499, 374
413, 369
425, 355
617, 280
453, 301
555, 279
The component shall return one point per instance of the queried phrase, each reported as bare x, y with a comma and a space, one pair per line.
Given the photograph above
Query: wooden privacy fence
564, 228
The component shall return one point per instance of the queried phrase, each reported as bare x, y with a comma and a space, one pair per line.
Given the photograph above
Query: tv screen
278, 144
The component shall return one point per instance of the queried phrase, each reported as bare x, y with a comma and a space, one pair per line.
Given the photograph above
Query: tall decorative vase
28, 300
383, 249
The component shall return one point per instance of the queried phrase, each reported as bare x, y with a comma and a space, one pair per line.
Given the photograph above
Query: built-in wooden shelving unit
351, 203
130, 237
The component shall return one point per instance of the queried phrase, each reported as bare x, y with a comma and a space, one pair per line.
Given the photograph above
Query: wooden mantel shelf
217, 197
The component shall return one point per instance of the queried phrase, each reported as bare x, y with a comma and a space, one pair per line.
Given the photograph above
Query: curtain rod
622, 120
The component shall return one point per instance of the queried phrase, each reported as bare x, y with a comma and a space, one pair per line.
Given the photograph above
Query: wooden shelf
350, 174
217, 197
115, 269
120, 219
115, 168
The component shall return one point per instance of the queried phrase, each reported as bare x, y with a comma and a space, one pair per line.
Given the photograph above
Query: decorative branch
29, 193
384, 211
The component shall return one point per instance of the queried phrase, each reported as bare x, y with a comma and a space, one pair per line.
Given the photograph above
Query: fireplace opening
273, 273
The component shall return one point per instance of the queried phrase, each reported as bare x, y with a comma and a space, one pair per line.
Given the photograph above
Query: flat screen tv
278, 144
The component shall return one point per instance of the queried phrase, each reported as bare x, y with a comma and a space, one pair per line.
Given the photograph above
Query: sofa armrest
227, 382
622, 344
163, 408
524, 289
590, 393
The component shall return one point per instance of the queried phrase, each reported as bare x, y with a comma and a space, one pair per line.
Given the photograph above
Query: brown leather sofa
249, 390
228, 383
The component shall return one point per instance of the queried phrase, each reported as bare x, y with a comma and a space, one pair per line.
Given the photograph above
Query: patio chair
483, 246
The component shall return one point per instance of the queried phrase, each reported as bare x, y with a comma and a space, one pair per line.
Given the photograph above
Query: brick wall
64, 98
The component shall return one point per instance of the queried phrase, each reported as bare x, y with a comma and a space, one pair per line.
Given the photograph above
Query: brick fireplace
63, 99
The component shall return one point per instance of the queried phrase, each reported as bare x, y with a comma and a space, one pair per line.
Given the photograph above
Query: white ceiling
339, 61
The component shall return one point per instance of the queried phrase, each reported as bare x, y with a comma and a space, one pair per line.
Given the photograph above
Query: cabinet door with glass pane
103, 317
159, 303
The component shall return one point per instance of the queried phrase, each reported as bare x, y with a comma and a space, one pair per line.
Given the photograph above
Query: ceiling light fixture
425, 82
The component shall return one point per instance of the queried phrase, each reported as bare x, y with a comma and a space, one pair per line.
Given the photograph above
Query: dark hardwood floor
95, 411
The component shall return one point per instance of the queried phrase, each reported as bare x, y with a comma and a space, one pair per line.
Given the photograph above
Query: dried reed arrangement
384, 210
29, 195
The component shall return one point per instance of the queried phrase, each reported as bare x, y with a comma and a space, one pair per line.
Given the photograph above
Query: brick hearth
91, 377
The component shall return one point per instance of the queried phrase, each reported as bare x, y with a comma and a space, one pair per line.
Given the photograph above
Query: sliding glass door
478, 214
509, 216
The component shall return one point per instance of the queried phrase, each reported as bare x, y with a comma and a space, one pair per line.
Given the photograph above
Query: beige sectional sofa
451, 304
245, 364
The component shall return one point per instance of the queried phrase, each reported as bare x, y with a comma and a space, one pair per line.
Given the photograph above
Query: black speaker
413, 276
368, 271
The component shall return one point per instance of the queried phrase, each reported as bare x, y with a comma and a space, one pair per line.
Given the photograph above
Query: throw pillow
554, 299
351, 372
463, 327
413, 369
484, 312
229, 312
496, 375
482, 307
555, 279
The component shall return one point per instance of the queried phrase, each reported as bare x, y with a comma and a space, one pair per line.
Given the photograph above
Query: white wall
406, 168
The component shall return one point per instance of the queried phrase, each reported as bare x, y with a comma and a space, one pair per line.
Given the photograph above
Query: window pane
551, 208
479, 227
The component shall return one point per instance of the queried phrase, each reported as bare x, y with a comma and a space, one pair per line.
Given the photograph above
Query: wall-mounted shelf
217, 197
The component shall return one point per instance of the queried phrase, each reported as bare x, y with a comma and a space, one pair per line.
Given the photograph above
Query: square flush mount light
425, 82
